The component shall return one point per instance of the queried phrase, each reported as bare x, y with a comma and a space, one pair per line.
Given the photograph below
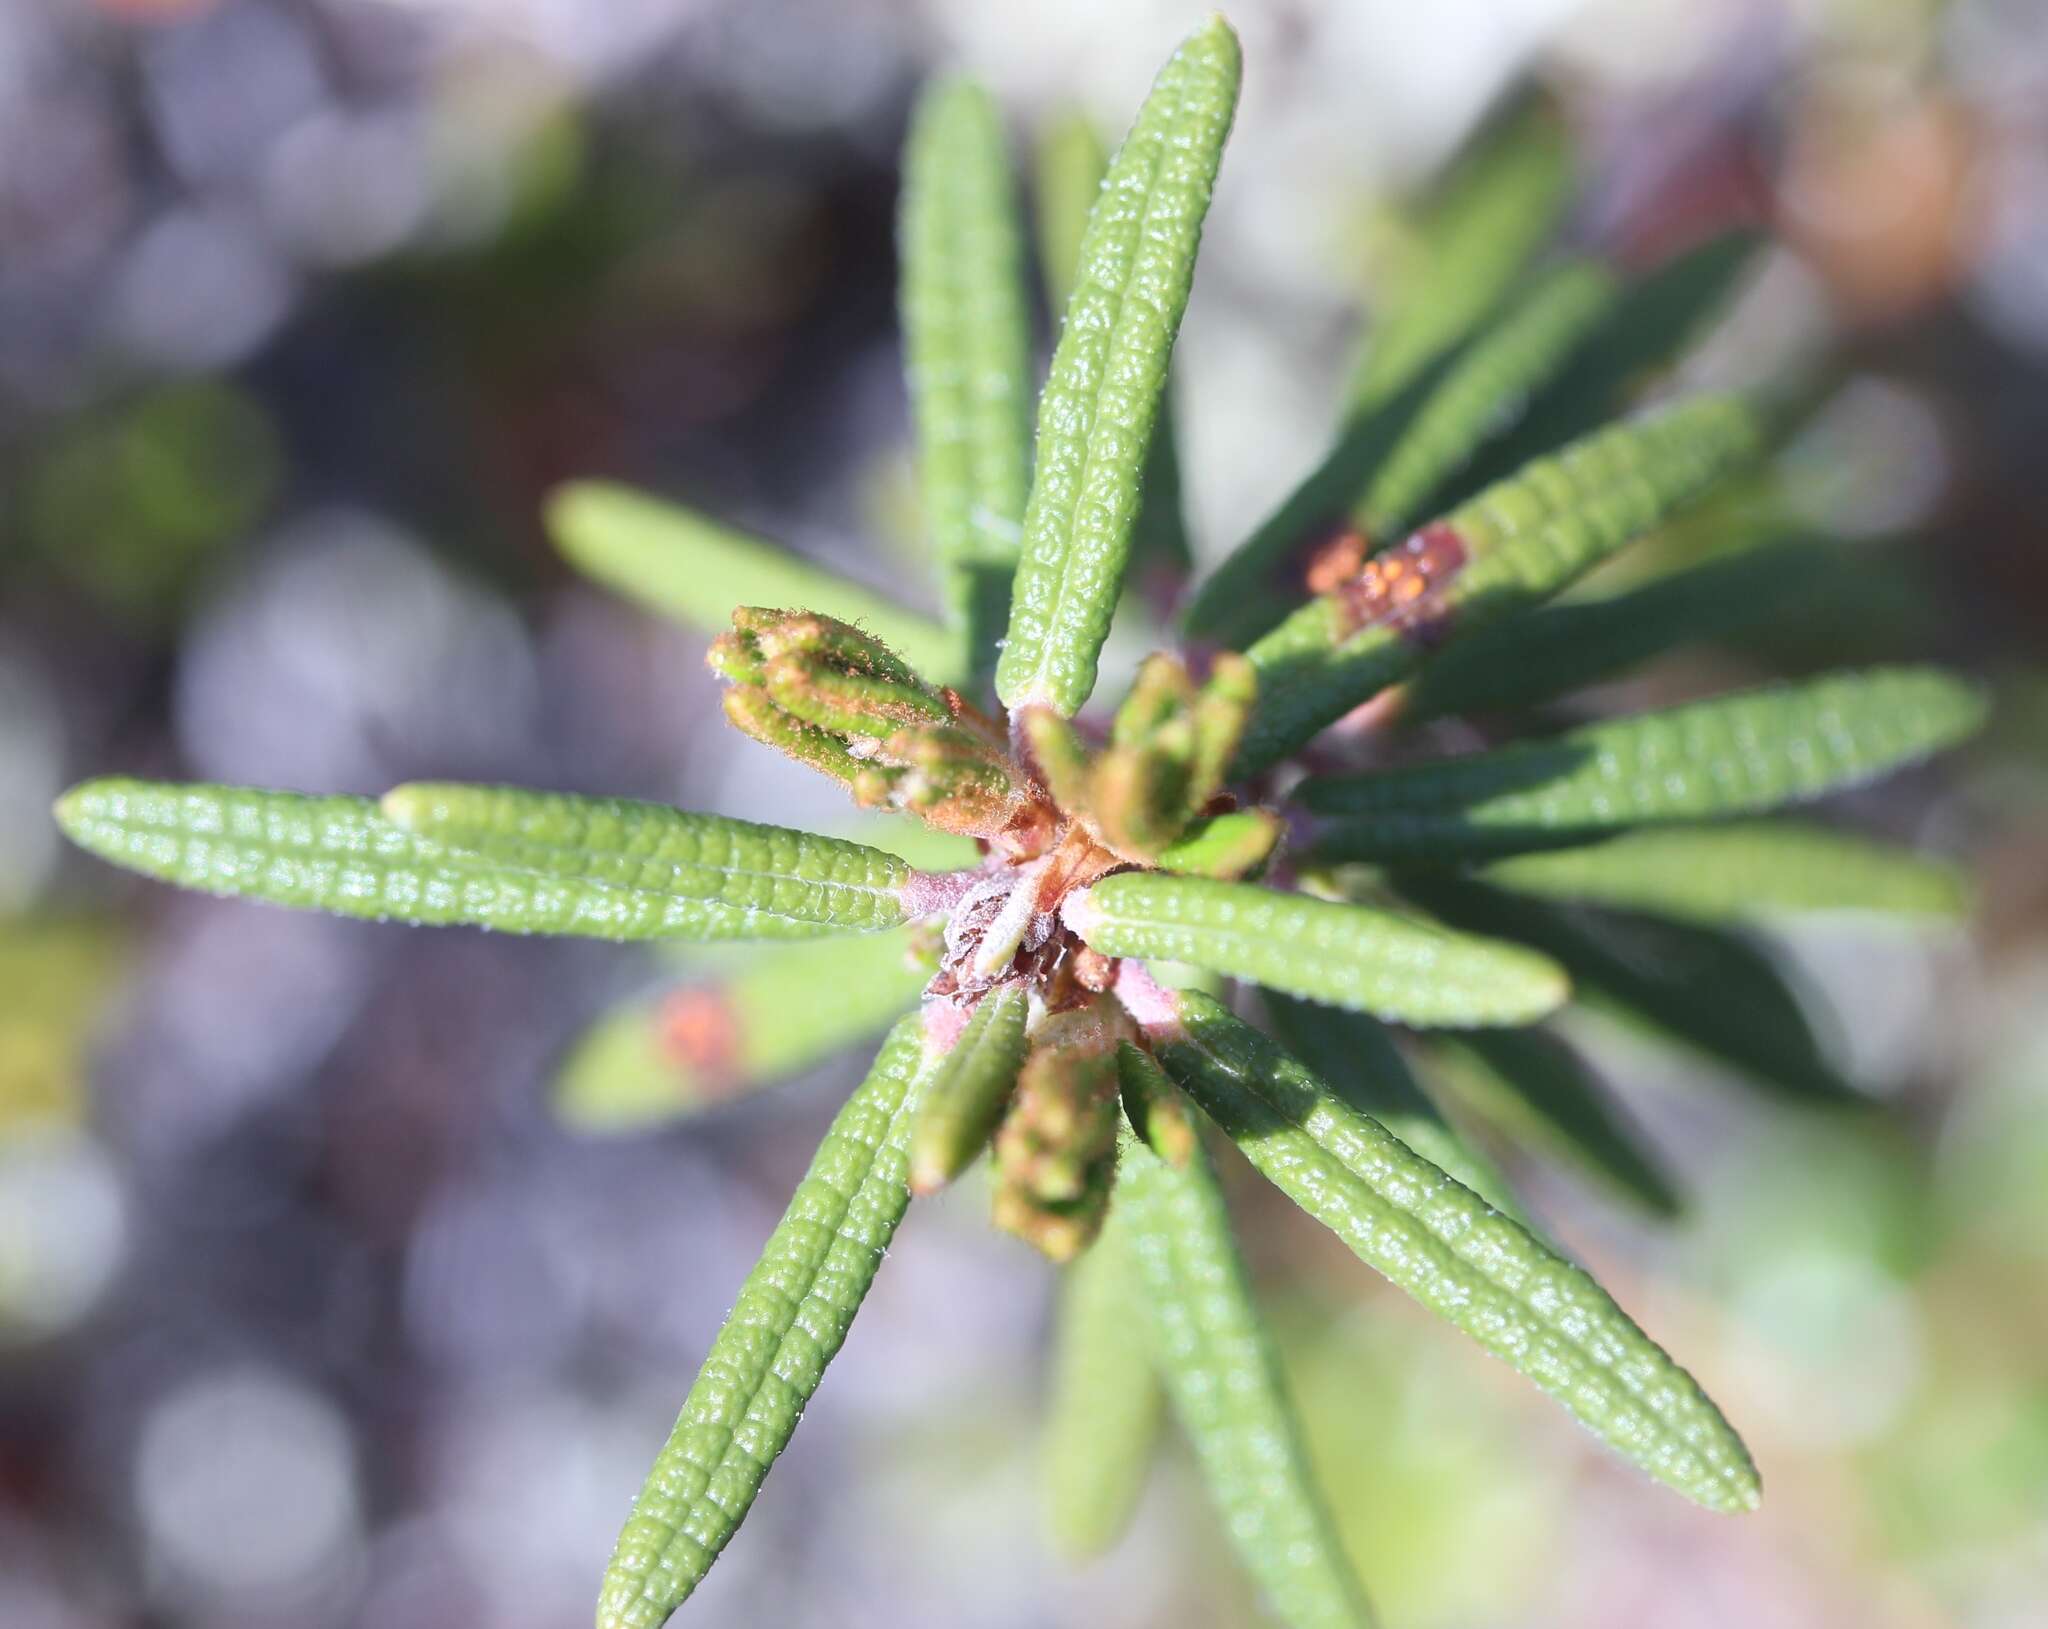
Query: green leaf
1101, 399
1071, 164
1738, 754
689, 567
705, 1043
1226, 845
967, 346
968, 1090
1501, 201
1712, 990
1486, 390
1458, 1256
1528, 660
1265, 577
1509, 548
1649, 326
596, 869
665, 872
1733, 872
1535, 1090
787, 1325
1209, 1345
1102, 1420
1341, 954
1359, 1061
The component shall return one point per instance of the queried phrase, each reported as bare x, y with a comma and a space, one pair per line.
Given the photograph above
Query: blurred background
314, 1310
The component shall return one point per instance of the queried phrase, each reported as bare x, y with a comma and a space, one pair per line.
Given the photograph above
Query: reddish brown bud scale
1403, 587
698, 1031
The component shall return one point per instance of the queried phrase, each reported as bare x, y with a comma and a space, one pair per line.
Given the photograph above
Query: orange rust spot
1401, 586
698, 1031
1337, 561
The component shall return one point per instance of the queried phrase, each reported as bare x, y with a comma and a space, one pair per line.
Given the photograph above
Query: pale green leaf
967, 350
1739, 754
704, 1043
1475, 238
1101, 399
791, 1317
686, 566
1340, 954
1103, 1416
1748, 869
1209, 1344
1485, 391
1458, 1256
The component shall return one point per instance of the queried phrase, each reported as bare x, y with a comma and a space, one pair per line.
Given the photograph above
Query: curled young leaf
968, 1089
692, 568
1102, 1418
1511, 547
1340, 954
1101, 399
1209, 1345
1457, 1255
1738, 754
967, 344
787, 1325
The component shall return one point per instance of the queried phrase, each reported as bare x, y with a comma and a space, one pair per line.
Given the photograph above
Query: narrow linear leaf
1740, 871
791, 1317
1101, 399
1103, 1417
1643, 333
967, 351
1355, 1056
1341, 954
1537, 1091
1509, 548
1458, 1256
1262, 580
1485, 391
1525, 661
1068, 166
664, 869
695, 877
968, 1089
1709, 989
1209, 1344
703, 1044
1738, 754
1500, 202
684, 565
1071, 165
